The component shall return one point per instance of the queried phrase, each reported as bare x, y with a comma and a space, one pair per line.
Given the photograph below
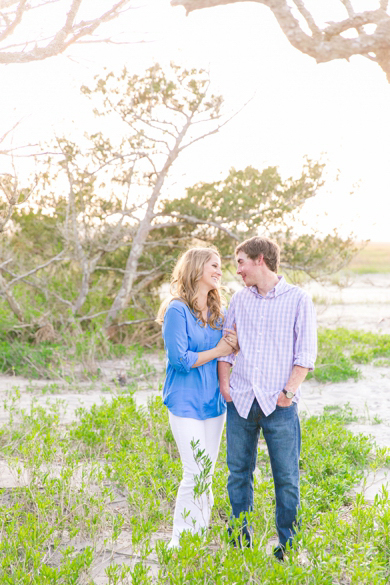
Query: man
276, 329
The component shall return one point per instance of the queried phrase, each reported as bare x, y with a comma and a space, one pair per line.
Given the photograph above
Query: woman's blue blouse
190, 392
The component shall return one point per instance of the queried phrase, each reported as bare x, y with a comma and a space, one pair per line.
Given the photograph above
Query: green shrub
339, 350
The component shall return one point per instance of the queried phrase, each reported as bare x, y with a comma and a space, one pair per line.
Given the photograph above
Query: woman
192, 320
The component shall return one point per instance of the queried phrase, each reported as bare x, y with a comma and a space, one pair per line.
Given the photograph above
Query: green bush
128, 452
339, 350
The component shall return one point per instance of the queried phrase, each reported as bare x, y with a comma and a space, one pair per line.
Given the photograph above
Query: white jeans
208, 432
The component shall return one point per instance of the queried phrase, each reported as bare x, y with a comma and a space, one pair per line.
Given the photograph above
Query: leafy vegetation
114, 473
340, 350
97, 237
55, 360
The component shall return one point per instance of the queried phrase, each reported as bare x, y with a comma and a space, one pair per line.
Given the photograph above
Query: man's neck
268, 282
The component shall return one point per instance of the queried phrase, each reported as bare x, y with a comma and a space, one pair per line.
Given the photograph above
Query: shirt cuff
305, 360
230, 359
188, 360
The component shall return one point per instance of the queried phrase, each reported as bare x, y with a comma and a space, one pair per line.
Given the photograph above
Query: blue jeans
282, 433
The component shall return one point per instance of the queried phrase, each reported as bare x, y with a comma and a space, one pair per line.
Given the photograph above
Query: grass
115, 472
79, 351
341, 350
374, 258
112, 477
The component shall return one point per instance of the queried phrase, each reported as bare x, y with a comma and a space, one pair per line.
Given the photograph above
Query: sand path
365, 304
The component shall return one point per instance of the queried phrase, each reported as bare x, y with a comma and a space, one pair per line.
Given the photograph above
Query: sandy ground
358, 302
364, 304
369, 398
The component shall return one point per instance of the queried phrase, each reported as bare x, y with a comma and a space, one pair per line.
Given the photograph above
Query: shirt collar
281, 287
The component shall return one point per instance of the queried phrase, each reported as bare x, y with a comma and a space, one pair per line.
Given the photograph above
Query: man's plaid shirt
275, 333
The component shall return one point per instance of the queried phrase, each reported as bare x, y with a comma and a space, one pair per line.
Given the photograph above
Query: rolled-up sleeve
229, 324
176, 340
305, 348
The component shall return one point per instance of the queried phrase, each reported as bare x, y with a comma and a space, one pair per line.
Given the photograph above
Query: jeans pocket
284, 407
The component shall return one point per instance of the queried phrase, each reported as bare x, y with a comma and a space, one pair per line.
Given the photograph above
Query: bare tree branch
349, 7
217, 129
89, 317
2, 138
195, 220
14, 195
142, 233
17, 20
71, 32
59, 256
308, 17
111, 269
12, 302
29, 282
136, 321
328, 43
356, 21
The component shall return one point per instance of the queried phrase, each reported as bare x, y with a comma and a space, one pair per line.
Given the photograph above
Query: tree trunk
144, 228
12, 302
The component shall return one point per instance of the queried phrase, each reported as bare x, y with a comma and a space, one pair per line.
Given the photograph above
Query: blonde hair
184, 287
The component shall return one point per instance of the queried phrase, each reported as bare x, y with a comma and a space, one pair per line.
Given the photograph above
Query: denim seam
251, 470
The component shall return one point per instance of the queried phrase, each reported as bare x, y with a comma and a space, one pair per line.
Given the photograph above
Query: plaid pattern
275, 333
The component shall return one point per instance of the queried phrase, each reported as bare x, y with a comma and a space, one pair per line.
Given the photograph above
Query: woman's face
211, 273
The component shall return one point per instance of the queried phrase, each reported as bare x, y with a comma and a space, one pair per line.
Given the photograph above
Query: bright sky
299, 108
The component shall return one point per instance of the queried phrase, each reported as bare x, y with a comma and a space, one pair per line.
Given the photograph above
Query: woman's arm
176, 342
176, 339
222, 349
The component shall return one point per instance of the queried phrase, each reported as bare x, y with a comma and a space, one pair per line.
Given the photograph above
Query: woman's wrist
220, 352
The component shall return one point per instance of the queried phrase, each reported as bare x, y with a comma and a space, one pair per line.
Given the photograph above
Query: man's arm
225, 363
305, 349
224, 380
298, 375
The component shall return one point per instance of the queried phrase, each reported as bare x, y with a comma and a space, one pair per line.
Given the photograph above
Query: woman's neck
202, 303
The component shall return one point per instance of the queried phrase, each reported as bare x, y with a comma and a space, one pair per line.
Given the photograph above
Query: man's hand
283, 400
224, 380
226, 394
296, 378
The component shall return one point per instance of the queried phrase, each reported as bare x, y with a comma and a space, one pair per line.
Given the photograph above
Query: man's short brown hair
261, 246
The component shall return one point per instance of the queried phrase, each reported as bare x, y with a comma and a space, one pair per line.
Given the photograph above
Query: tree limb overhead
17, 13
327, 43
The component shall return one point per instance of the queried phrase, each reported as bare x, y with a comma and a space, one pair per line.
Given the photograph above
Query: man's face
248, 269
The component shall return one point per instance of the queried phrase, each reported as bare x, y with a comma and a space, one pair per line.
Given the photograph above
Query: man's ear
259, 260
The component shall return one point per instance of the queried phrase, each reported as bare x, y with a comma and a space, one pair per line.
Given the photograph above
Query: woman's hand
231, 337
224, 348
